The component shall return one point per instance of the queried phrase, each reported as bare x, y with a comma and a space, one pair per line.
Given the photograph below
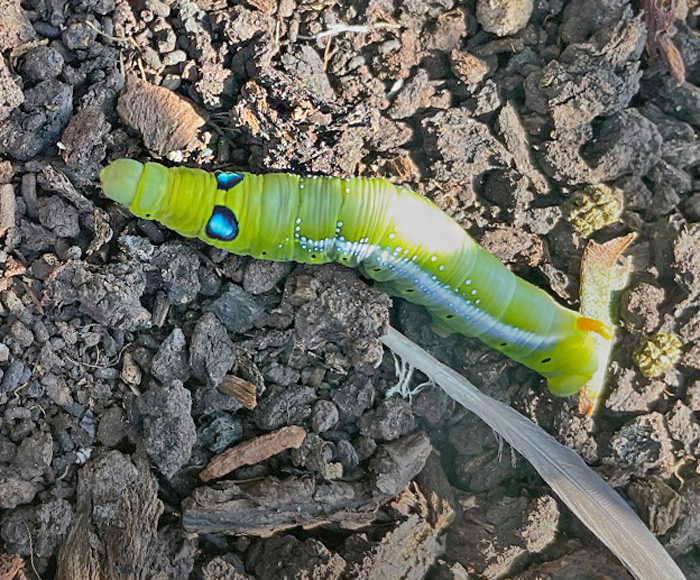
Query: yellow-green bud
593, 208
658, 353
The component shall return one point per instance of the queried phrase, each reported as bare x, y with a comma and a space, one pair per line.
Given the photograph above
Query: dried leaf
673, 57
660, 16
601, 281
167, 122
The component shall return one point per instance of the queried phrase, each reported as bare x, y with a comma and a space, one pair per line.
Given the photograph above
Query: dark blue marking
222, 224
227, 181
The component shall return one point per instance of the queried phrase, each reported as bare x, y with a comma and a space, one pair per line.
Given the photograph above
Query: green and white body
393, 235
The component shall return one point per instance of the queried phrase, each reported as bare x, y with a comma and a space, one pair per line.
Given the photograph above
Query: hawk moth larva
394, 236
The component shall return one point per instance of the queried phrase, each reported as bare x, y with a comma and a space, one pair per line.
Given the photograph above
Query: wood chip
403, 168
269, 7
126, 546
263, 507
28, 191
7, 209
98, 222
78, 556
54, 180
161, 308
268, 506
12, 268
166, 121
410, 549
254, 451
131, 372
7, 172
10, 565
245, 392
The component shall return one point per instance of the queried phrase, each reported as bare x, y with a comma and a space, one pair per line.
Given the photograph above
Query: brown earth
130, 358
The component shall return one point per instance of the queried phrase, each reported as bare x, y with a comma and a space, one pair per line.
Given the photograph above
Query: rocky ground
130, 358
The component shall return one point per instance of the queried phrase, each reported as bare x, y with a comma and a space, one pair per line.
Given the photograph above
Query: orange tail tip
593, 325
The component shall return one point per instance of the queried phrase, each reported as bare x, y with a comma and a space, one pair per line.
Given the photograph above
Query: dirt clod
11, 96
211, 350
503, 17
132, 357
47, 108
17, 28
167, 429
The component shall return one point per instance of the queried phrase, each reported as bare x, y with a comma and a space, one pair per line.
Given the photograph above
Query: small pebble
174, 57
503, 17
41, 63
171, 82
324, 416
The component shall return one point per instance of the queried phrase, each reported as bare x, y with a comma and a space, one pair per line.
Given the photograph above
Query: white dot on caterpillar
286, 239
433, 277
280, 246
469, 301
301, 186
433, 258
477, 301
298, 220
297, 229
473, 292
347, 190
392, 236
441, 268
468, 282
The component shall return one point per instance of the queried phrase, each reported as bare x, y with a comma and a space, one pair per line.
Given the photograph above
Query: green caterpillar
394, 236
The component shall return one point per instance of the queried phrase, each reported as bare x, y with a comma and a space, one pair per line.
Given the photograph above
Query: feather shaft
584, 492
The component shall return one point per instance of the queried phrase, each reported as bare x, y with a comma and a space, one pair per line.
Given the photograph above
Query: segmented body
395, 236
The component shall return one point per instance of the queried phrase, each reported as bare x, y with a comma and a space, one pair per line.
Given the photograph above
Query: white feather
586, 494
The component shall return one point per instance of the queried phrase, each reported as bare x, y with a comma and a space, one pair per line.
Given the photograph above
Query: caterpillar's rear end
396, 237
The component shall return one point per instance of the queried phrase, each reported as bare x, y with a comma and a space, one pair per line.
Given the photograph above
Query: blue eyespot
222, 224
226, 181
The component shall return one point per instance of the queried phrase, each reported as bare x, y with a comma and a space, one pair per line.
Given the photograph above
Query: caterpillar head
144, 188
120, 180
573, 361
181, 199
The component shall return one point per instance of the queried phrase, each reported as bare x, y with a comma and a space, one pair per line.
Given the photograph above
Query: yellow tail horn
594, 325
